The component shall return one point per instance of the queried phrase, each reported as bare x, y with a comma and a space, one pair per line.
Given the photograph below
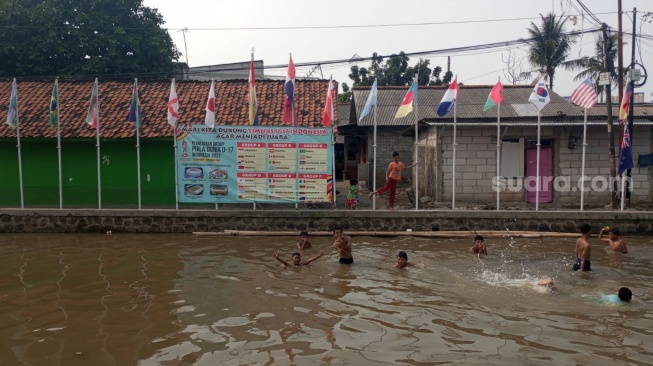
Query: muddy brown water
89, 299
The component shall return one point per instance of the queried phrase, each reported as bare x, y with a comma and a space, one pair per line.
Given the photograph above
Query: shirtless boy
402, 260
342, 245
304, 243
479, 245
616, 245
583, 250
297, 259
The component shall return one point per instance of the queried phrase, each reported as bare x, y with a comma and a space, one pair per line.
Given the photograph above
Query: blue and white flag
12, 113
626, 154
371, 101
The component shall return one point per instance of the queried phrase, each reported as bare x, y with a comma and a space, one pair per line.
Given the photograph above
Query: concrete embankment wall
186, 221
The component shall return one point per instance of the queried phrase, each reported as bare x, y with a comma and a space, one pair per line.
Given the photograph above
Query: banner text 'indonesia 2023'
244, 164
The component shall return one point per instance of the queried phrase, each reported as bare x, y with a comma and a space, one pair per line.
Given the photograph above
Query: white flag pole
292, 120
56, 84
374, 154
453, 185
20, 162
582, 169
537, 166
333, 163
138, 145
97, 144
498, 150
416, 102
174, 146
623, 186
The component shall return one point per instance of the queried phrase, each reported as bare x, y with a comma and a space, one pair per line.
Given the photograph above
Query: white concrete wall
476, 163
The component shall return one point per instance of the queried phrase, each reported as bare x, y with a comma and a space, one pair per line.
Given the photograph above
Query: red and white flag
209, 120
585, 96
327, 115
173, 106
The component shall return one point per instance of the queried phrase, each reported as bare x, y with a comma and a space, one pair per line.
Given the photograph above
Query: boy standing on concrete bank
392, 176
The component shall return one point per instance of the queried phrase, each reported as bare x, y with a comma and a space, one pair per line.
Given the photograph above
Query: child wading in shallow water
351, 194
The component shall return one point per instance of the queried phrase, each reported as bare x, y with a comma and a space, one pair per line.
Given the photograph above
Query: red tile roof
115, 98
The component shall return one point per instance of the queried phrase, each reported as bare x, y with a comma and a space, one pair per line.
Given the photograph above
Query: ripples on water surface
185, 300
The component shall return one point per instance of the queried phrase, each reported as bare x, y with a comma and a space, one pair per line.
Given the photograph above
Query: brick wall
476, 163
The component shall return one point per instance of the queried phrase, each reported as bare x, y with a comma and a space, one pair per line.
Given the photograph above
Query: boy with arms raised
297, 259
616, 245
583, 250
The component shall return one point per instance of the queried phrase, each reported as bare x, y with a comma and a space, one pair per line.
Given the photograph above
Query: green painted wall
79, 173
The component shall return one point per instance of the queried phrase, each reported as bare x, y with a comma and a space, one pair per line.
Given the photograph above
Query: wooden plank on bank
422, 234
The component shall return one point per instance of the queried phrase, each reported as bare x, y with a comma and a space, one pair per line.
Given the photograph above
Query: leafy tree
549, 47
83, 37
396, 71
591, 66
345, 96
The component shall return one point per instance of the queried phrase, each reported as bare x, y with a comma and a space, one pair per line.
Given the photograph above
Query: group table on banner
254, 164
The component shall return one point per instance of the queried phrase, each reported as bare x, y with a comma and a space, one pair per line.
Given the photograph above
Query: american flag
585, 95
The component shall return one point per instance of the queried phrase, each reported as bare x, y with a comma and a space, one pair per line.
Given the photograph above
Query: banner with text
244, 164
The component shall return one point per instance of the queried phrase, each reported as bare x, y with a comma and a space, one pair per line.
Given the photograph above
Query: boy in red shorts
392, 176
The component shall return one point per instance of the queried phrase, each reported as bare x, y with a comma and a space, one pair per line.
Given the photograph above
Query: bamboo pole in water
423, 234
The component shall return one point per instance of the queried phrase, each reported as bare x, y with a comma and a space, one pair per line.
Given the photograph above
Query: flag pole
56, 84
20, 163
537, 167
292, 122
453, 185
374, 154
623, 187
174, 146
582, 169
498, 150
416, 102
97, 144
138, 142
333, 164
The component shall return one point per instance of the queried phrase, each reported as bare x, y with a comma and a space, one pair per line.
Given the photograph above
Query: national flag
135, 114
209, 119
12, 113
173, 105
93, 114
625, 104
54, 105
449, 99
327, 115
407, 103
289, 110
585, 95
251, 96
495, 97
626, 154
540, 96
371, 101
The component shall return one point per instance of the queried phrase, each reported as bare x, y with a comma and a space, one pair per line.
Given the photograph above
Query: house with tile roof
38, 141
561, 142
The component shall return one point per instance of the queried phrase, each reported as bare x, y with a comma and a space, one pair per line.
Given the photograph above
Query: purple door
546, 175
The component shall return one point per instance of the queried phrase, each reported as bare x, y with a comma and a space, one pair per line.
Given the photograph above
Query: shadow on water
184, 300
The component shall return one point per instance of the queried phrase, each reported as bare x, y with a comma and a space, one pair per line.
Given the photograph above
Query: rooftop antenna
183, 31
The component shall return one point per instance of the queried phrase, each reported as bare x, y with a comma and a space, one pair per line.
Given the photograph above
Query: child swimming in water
479, 245
616, 245
623, 296
297, 259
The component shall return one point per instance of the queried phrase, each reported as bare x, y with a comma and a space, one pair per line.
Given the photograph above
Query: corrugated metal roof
469, 106
343, 113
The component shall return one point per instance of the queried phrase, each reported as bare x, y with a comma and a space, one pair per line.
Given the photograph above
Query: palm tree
549, 46
591, 66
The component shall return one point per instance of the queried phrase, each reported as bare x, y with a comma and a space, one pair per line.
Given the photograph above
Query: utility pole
631, 113
611, 152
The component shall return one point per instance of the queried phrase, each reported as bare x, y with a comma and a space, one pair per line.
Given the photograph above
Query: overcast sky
492, 22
